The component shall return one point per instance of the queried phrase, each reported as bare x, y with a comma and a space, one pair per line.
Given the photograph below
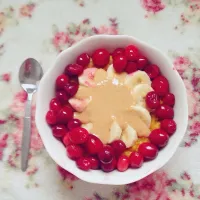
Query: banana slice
139, 93
115, 132
87, 126
87, 78
110, 72
79, 104
129, 136
143, 113
137, 78
116, 78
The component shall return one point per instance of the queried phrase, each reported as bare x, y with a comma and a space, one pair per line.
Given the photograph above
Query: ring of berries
86, 149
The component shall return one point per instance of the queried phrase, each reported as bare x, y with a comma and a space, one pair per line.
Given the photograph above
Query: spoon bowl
29, 74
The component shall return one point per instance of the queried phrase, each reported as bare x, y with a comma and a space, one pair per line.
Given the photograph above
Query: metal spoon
29, 74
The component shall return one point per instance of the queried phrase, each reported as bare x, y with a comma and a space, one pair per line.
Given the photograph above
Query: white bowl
46, 91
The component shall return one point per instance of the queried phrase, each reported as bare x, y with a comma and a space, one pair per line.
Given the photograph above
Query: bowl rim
60, 55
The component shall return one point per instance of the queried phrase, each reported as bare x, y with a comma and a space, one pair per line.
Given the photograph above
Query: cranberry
55, 105
65, 114
152, 100
62, 96
51, 117
152, 70
119, 63
84, 164
169, 99
74, 151
94, 163
148, 150
108, 167
78, 135
59, 131
106, 155
131, 67
123, 163
74, 70
61, 81
83, 59
142, 62
118, 147
132, 53
73, 123
101, 58
164, 112
159, 137
66, 140
168, 125
71, 88
136, 160
93, 145
161, 85
118, 52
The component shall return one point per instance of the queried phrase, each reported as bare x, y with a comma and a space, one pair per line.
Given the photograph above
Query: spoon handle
26, 134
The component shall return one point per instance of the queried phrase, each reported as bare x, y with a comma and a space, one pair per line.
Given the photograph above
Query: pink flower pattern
6, 77
152, 5
151, 188
27, 10
75, 33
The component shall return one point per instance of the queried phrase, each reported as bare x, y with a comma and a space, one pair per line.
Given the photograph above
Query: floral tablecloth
43, 28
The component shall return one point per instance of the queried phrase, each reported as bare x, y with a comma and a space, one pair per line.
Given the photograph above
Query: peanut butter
110, 100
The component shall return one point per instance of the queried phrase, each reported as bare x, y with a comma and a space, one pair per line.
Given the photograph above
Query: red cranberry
118, 147
168, 125
131, 67
165, 112
142, 62
136, 160
62, 96
118, 52
74, 151
78, 135
132, 53
169, 99
66, 140
51, 117
55, 105
152, 70
74, 70
161, 85
84, 164
106, 155
148, 150
159, 137
71, 88
94, 163
123, 163
83, 59
61, 81
152, 100
101, 58
119, 63
65, 115
59, 131
73, 123
93, 144
108, 167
